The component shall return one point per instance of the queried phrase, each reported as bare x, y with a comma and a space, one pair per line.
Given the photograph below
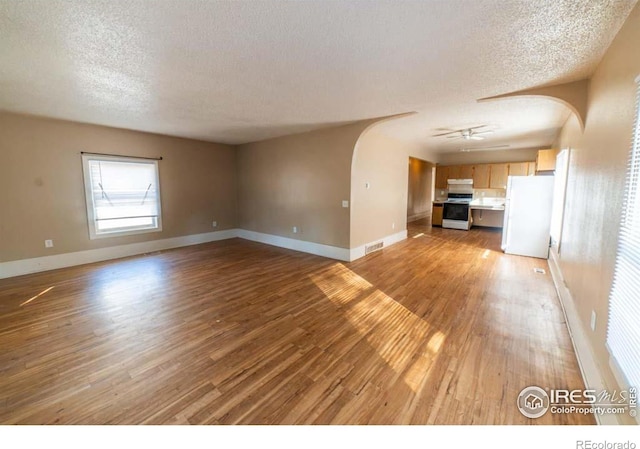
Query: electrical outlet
393, 225
214, 224
593, 320
48, 243
345, 203
295, 229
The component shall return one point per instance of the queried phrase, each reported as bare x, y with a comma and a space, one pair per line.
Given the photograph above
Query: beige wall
380, 210
596, 182
487, 157
42, 190
269, 186
299, 180
420, 189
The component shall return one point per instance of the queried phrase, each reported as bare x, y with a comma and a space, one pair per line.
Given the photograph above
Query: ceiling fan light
494, 147
465, 133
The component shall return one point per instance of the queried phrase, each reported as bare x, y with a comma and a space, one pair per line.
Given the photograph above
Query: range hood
457, 186
460, 182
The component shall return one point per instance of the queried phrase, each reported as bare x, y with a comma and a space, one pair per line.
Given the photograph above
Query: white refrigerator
527, 216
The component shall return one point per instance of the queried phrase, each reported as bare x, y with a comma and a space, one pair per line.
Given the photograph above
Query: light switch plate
345, 203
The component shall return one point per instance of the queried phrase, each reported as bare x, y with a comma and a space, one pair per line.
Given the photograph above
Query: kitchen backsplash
441, 194
489, 193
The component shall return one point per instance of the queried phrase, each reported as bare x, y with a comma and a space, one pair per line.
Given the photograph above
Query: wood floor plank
439, 329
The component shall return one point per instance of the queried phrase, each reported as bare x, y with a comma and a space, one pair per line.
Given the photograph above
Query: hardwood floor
439, 329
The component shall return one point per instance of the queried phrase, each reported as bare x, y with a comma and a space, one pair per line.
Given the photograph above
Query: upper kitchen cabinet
485, 176
442, 174
466, 172
546, 160
518, 169
481, 176
454, 172
498, 178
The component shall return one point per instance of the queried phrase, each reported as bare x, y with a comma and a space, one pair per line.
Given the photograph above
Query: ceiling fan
466, 133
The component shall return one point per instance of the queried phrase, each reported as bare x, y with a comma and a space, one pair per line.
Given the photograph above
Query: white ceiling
236, 72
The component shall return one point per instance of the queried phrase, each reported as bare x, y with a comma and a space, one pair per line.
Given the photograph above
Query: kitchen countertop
487, 204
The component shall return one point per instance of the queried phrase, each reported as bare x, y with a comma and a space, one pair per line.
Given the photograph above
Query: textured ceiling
237, 72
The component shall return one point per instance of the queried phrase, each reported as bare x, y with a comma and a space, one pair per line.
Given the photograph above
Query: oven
455, 215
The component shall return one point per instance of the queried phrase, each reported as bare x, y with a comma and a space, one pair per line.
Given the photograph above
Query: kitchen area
482, 195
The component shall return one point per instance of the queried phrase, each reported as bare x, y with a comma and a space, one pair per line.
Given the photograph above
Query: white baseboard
37, 264
591, 375
332, 252
356, 253
419, 216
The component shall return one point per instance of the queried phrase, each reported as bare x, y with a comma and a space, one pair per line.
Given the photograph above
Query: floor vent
539, 271
373, 247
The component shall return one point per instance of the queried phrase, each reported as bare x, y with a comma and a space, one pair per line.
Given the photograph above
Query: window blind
623, 333
124, 195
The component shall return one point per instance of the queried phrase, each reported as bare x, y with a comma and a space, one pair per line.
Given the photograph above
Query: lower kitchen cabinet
436, 214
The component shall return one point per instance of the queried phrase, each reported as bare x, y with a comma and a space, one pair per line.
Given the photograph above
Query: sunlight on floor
340, 284
485, 254
436, 342
396, 333
132, 281
418, 235
37, 296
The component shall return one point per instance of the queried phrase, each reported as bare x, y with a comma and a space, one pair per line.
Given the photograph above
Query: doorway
420, 190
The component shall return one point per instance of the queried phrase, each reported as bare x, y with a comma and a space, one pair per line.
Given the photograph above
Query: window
623, 333
123, 195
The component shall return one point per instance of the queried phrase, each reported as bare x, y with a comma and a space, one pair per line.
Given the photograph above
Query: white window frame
91, 219
622, 337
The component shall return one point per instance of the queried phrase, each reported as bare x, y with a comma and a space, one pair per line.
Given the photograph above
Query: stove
456, 213
458, 201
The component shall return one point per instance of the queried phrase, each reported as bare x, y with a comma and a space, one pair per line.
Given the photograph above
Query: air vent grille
373, 247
